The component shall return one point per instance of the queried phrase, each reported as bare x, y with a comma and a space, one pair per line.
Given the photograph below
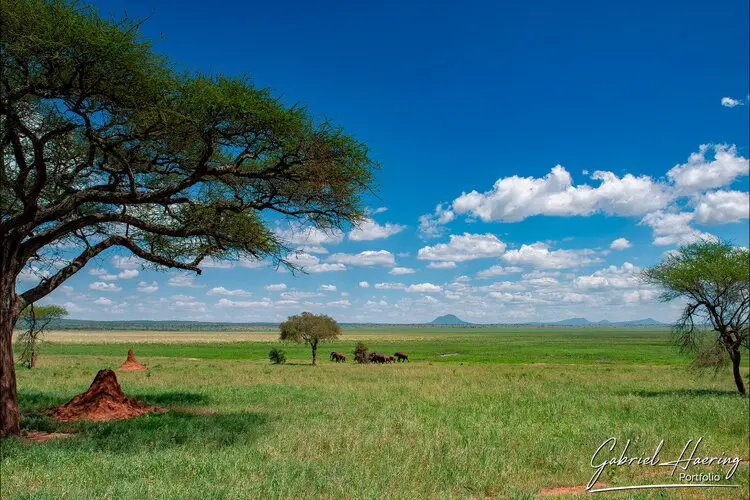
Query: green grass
514, 413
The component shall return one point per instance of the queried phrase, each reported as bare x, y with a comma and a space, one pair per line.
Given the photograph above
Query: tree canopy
310, 328
713, 278
106, 144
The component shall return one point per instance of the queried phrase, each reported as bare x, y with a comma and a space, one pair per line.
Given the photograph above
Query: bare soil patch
104, 400
43, 437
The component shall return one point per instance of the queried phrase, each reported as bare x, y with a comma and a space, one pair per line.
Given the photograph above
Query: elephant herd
373, 357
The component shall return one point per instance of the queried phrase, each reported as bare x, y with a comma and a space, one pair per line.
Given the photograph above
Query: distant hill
448, 319
604, 322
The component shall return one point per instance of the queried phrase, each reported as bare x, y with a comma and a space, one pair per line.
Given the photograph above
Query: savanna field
477, 412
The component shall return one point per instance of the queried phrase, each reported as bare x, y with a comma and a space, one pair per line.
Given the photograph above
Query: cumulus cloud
674, 228
309, 238
728, 102
401, 270
389, 286
515, 198
366, 258
327, 288
364, 284
339, 303
220, 290
294, 295
129, 262
128, 274
184, 280
539, 256
431, 225
424, 288
243, 304
464, 247
620, 244
442, 265
711, 167
144, 287
311, 264
101, 286
371, 230
498, 271
102, 301
722, 207
625, 276
275, 288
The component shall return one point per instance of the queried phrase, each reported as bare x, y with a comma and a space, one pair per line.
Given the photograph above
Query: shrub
361, 353
277, 356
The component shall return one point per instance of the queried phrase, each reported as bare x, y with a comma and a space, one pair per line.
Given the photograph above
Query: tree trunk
33, 357
10, 416
735, 355
315, 353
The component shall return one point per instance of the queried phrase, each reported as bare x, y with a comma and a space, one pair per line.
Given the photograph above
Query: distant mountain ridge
604, 322
448, 319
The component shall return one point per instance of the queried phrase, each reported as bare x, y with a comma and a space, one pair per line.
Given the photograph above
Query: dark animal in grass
401, 356
338, 357
379, 357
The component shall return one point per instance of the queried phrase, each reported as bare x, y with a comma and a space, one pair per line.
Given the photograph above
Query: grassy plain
496, 412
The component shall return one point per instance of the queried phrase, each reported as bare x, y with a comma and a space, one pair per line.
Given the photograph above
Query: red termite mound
104, 400
131, 364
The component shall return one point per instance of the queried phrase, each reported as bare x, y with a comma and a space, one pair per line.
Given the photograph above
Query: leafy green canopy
713, 277
310, 328
106, 144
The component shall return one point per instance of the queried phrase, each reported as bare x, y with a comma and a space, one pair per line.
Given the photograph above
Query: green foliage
35, 321
309, 328
713, 278
277, 356
174, 166
361, 353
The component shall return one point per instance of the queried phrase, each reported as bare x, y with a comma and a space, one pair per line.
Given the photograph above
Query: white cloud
275, 288
129, 262
216, 264
431, 225
626, 276
728, 102
463, 248
673, 228
311, 264
243, 304
401, 270
366, 258
620, 244
442, 265
299, 235
128, 274
294, 295
722, 207
220, 290
424, 288
144, 287
515, 198
102, 301
700, 173
371, 230
101, 286
72, 307
184, 280
327, 288
339, 303
538, 255
389, 286
498, 271
378, 210
364, 284
98, 271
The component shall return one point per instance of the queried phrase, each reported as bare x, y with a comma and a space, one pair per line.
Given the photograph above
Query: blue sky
534, 156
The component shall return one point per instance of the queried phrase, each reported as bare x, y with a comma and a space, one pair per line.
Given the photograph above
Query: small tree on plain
713, 277
35, 321
311, 329
361, 353
277, 356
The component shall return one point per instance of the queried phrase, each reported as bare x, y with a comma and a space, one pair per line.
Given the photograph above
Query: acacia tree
105, 144
310, 328
35, 320
713, 277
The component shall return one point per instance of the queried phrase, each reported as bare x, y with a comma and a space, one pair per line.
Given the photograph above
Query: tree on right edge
713, 278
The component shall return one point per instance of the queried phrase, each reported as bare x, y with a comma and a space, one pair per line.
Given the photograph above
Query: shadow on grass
39, 399
684, 392
151, 432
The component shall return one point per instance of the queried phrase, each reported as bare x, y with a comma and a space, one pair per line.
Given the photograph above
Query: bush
361, 353
277, 356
